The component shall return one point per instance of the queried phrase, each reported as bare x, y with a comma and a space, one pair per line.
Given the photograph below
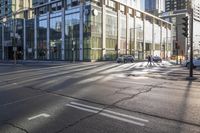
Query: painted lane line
107, 115
37, 116
108, 111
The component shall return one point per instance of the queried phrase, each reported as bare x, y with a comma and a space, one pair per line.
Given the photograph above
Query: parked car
196, 63
156, 59
125, 59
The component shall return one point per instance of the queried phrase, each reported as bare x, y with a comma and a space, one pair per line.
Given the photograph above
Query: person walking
149, 60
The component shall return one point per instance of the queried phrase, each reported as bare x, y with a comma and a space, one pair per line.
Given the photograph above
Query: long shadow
183, 108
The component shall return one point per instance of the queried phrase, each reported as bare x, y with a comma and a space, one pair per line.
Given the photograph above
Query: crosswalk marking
83, 70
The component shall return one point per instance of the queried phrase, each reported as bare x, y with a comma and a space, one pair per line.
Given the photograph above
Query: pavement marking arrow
37, 116
108, 113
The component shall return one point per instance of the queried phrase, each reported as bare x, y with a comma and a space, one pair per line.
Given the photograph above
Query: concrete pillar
63, 35
104, 31
118, 31
35, 38
166, 43
135, 35
161, 39
3, 41
127, 33
153, 37
81, 33
48, 36
144, 38
24, 47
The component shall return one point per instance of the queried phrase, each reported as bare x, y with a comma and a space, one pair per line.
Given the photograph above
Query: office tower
154, 6
8, 7
173, 5
87, 30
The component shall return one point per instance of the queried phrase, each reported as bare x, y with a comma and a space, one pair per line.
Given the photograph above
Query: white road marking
37, 116
108, 113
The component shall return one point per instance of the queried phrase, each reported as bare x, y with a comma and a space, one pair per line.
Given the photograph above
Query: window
56, 6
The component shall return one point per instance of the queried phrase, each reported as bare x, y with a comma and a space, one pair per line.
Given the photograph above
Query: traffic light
185, 26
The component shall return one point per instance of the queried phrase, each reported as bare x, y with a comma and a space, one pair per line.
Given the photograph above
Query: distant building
87, 30
7, 7
176, 10
155, 7
173, 5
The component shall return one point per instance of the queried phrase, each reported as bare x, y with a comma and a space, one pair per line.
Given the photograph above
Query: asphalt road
101, 97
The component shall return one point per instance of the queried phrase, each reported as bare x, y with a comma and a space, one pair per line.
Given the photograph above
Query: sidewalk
33, 62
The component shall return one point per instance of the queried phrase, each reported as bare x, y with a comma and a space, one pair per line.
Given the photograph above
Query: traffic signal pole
191, 43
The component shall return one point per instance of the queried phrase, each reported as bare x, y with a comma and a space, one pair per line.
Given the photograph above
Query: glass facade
30, 39
42, 38
72, 29
157, 38
123, 27
1, 50
131, 43
139, 36
149, 35
19, 38
111, 35
90, 30
55, 36
8, 52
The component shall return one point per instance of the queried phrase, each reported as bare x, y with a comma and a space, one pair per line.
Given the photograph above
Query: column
24, 32
48, 36
166, 44
118, 32
63, 35
35, 37
81, 33
135, 36
144, 39
127, 32
153, 36
161, 39
104, 31
3, 55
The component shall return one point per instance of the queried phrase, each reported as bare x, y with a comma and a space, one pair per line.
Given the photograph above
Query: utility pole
191, 41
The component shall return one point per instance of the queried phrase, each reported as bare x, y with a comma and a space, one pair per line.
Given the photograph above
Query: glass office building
86, 30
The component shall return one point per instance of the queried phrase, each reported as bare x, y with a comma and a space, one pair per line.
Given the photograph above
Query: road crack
106, 107
15, 126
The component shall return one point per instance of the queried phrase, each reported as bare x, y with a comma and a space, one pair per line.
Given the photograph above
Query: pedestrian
149, 60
